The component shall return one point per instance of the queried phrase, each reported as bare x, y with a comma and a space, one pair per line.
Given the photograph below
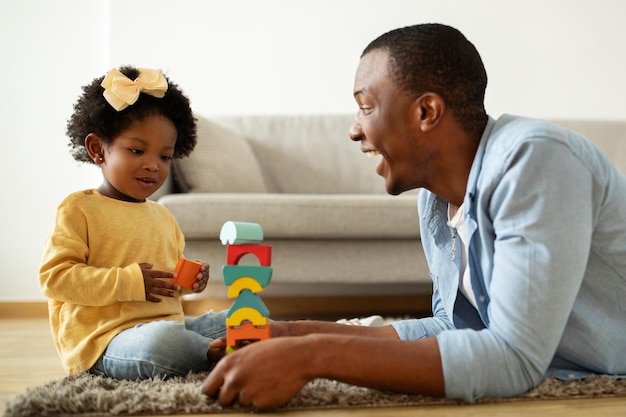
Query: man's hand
217, 348
264, 374
154, 285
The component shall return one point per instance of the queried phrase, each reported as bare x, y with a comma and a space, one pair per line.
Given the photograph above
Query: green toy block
250, 300
261, 274
237, 233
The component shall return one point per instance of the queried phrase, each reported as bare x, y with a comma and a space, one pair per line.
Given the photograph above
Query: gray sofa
323, 208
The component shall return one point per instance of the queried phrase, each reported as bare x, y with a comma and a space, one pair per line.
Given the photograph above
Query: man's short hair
438, 58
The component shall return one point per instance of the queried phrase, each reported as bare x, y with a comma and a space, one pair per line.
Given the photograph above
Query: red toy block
235, 252
246, 332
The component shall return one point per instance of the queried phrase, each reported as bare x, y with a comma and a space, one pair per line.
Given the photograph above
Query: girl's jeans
162, 348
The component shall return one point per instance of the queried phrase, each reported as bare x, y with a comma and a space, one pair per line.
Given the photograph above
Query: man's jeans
162, 348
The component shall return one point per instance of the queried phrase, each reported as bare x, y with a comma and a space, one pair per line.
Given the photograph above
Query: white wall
557, 58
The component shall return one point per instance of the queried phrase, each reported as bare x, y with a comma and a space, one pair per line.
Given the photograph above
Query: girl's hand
202, 279
154, 285
217, 349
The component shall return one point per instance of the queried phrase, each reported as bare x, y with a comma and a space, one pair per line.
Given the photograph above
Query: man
523, 224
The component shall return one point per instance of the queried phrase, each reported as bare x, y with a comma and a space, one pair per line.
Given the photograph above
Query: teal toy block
261, 274
248, 300
238, 233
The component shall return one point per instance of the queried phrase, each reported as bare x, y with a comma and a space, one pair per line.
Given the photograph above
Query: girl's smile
137, 162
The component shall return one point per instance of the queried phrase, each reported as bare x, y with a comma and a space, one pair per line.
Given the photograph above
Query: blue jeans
162, 348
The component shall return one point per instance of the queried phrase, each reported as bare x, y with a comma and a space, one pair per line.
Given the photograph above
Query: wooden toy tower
247, 318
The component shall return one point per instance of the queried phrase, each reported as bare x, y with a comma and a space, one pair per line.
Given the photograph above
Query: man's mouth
373, 153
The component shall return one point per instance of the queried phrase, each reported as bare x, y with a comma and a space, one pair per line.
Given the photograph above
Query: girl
106, 266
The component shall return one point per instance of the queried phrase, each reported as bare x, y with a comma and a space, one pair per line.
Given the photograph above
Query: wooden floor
28, 359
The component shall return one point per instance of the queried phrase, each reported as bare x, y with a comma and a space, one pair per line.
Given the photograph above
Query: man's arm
270, 373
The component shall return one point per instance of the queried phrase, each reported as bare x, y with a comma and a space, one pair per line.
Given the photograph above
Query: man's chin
393, 189
397, 188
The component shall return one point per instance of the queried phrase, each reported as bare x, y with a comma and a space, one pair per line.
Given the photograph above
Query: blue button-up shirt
545, 213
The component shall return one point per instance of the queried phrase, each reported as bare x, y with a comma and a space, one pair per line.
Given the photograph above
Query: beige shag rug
85, 395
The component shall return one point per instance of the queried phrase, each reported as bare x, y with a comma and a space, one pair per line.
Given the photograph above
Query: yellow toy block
246, 314
244, 283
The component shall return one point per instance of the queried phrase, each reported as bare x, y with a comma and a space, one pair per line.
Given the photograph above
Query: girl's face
137, 162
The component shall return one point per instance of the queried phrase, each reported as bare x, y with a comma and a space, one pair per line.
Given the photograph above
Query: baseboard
23, 309
327, 307
281, 308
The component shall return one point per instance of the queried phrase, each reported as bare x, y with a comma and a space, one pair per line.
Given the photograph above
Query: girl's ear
95, 148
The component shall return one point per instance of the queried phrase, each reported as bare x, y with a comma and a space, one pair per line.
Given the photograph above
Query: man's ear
429, 108
95, 148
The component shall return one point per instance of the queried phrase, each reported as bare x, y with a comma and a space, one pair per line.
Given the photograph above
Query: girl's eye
166, 158
137, 151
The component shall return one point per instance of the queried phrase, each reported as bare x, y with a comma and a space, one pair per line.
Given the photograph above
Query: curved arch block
246, 314
247, 331
243, 283
262, 252
237, 233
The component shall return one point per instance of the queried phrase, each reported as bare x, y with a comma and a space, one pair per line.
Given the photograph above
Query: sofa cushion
308, 154
222, 161
298, 216
609, 135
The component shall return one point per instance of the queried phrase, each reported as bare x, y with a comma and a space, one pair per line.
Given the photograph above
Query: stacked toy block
247, 318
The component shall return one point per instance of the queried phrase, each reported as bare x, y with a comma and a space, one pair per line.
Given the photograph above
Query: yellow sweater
90, 273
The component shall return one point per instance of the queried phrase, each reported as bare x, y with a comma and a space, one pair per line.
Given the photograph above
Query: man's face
387, 125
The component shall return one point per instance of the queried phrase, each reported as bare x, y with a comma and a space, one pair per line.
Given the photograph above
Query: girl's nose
151, 165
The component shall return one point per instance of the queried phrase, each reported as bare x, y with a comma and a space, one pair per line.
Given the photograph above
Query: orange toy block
186, 271
246, 332
235, 252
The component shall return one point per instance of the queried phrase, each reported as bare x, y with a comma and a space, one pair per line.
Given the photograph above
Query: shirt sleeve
425, 327
539, 216
64, 264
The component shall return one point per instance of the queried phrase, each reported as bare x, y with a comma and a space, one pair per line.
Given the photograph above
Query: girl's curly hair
93, 114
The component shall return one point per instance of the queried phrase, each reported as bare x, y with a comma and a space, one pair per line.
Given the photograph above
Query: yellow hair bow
120, 91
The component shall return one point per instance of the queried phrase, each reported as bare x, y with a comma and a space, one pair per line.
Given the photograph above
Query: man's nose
356, 133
